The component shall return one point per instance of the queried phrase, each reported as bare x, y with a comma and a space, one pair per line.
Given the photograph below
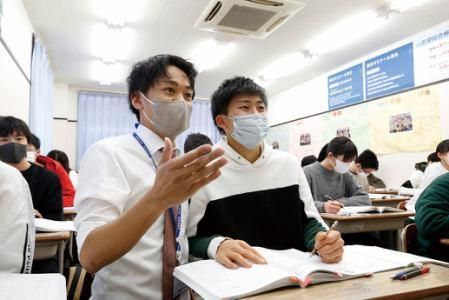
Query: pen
332, 199
401, 273
415, 273
333, 226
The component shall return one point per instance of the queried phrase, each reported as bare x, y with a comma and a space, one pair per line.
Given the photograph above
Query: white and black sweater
259, 203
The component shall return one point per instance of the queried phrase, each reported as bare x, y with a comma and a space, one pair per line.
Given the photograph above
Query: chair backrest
410, 238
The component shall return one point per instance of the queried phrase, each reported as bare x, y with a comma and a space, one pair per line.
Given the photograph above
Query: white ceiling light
284, 66
119, 12
403, 5
106, 72
110, 42
345, 32
210, 54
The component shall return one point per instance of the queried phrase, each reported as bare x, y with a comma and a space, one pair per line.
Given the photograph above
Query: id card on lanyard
176, 220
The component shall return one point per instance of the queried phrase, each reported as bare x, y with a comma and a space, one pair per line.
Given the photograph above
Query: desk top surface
388, 199
378, 286
52, 236
32, 286
372, 216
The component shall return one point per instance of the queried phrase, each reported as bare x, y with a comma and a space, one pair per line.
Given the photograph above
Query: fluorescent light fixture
283, 66
209, 54
107, 73
110, 43
403, 5
346, 32
120, 12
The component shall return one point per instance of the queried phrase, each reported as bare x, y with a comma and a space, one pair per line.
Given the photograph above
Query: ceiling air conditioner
253, 18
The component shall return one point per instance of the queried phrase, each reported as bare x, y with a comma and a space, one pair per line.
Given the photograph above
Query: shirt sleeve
102, 191
52, 205
354, 194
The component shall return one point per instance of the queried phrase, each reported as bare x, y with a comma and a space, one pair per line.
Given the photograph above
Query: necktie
169, 256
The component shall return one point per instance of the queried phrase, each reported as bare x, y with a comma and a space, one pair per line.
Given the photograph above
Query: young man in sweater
432, 219
262, 197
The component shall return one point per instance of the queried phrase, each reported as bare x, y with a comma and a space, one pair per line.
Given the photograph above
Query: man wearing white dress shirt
126, 184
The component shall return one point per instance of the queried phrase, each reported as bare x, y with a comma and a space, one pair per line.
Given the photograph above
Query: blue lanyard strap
176, 221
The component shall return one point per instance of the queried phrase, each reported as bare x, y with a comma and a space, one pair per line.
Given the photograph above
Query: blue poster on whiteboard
345, 87
390, 72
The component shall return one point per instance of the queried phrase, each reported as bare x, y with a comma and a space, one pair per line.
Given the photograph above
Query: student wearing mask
331, 184
432, 171
131, 192
44, 185
366, 163
17, 232
262, 197
34, 156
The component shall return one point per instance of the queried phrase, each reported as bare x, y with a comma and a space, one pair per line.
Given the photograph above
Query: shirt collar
239, 159
154, 142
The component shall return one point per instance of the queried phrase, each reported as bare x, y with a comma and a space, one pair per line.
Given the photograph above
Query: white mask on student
249, 130
169, 117
31, 156
341, 167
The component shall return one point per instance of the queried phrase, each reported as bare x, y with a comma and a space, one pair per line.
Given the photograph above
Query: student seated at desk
432, 219
17, 231
432, 172
34, 156
262, 197
63, 159
333, 187
366, 163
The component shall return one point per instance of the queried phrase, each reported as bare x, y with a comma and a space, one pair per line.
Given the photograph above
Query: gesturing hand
179, 178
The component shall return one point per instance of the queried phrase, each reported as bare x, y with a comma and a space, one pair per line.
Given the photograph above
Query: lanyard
176, 222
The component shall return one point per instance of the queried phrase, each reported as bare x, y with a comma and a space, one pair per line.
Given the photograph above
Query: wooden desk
356, 223
378, 286
49, 244
384, 191
69, 213
32, 286
444, 242
390, 202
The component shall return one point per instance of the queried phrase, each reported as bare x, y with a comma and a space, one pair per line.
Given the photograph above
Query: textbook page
45, 225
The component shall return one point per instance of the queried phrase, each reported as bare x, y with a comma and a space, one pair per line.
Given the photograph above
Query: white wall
310, 98
17, 34
65, 120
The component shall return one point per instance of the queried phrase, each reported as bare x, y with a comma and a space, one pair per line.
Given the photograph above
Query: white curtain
201, 122
101, 115
41, 98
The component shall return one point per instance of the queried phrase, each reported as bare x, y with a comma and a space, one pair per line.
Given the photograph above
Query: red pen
415, 273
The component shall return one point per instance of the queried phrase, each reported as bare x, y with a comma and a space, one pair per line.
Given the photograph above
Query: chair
410, 239
78, 283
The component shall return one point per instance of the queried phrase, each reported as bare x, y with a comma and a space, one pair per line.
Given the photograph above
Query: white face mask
171, 118
249, 130
31, 156
341, 167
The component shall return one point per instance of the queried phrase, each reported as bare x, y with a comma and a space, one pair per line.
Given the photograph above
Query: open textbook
46, 225
288, 267
348, 210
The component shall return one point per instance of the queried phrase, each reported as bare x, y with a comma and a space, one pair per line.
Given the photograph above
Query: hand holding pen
332, 206
333, 226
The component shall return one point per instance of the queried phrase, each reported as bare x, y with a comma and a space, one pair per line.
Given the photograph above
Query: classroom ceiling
71, 32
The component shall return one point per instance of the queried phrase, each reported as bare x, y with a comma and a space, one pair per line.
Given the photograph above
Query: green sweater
432, 218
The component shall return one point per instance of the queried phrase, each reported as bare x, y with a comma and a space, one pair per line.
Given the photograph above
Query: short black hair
368, 160
342, 145
231, 88
421, 166
433, 157
146, 73
194, 140
10, 125
35, 141
323, 153
443, 147
60, 157
307, 160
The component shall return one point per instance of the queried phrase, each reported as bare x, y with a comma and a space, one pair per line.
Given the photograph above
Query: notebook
348, 210
290, 267
45, 225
